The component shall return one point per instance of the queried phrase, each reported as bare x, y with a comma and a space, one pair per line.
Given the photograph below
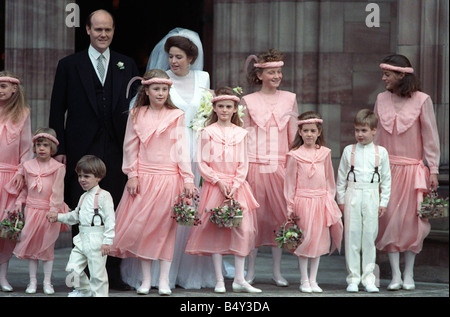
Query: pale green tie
101, 67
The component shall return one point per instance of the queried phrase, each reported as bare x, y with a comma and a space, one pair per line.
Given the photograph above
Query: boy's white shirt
364, 169
83, 215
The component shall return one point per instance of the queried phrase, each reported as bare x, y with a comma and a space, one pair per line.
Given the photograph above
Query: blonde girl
15, 144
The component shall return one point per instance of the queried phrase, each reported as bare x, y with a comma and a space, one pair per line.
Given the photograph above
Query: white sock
394, 260
408, 273
48, 268
239, 264
3, 272
251, 264
217, 262
303, 265
276, 257
32, 267
164, 270
314, 263
146, 267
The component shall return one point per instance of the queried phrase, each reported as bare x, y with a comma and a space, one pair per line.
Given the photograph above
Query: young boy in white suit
363, 188
96, 219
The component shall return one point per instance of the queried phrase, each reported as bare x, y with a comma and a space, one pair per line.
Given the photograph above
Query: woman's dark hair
409, 83
184, 44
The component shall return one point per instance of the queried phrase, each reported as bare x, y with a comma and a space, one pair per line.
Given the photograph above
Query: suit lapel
85, 70
117, 78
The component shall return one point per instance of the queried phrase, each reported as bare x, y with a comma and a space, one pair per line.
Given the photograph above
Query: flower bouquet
206, 107
12, 225
186, 214
433, 207
229, 215
289, 236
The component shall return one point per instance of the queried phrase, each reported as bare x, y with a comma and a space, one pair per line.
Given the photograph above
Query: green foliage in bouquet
228, 215
12, 225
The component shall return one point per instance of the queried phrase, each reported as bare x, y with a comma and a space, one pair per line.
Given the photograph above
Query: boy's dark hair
91, 164
366, 117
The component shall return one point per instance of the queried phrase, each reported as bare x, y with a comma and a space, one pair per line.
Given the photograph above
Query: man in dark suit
89, 112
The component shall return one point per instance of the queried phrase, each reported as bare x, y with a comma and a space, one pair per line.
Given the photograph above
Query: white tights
314, 267
239, 264
164, 270
48, 268
408, 273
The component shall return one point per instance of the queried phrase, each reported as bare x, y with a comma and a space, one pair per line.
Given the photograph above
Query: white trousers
87, 252
360, 229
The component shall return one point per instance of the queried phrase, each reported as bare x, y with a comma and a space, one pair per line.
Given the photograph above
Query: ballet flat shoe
48, 289
239, 288
394, 286
305, 287
280, 283
315, 288
143, 290
164, 291
7, 288
31, 288
220, 289
408, 287
352, 288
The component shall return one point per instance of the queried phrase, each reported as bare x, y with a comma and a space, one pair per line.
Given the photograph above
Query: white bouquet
206, 108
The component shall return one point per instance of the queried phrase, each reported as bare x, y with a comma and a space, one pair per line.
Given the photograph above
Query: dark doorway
140, 25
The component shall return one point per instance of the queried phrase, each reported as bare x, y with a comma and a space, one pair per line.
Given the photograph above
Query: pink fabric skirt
208, 238
320, 221
7, 202
269, 193
144, 225
400, 229
38, 237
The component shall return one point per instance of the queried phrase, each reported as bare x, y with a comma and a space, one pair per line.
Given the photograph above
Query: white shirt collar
95, 54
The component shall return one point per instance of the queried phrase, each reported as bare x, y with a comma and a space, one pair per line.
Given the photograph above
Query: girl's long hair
142, 100
213, 115
16, 108
298, 141
409, 83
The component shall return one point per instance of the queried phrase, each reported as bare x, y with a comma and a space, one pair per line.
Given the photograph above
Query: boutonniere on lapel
121, 65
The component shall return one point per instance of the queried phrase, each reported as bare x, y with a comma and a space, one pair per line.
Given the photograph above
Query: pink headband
269, 65
10, 79
262, 65
408, 70
309, 121
47, 136
155, 80
225, 97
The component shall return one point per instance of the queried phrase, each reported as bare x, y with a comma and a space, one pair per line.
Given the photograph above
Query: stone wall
332, 56
36, 38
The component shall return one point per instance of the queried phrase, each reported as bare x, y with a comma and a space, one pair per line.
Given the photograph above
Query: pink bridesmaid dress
310, 191
155, 150
43, 192
16, 148
407, 129
271, 131
222, 156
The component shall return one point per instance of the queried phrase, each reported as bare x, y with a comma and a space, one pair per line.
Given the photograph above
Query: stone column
36, 38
